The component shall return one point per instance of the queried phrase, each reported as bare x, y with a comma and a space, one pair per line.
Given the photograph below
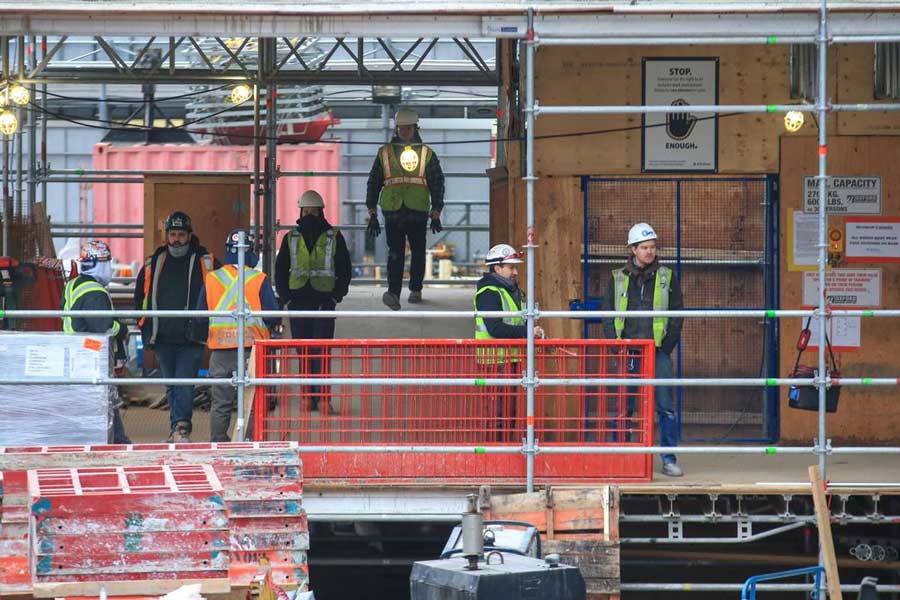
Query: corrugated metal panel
124, 202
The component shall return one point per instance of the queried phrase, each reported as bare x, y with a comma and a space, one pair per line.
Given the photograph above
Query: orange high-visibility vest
221, 294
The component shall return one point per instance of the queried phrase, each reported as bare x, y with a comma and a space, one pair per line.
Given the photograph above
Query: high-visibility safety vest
222, 294
491, 356
661, 287
153, 271
74, 292
317, 267
403, 187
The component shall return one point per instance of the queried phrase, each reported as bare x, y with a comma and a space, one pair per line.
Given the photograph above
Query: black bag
807, 397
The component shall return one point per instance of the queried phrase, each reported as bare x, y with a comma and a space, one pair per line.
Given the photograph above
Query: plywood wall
867, 414
590, 75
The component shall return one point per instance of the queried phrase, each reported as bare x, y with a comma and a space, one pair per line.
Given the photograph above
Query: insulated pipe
530, 104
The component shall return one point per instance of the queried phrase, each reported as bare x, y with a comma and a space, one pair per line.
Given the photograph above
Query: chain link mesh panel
715, 233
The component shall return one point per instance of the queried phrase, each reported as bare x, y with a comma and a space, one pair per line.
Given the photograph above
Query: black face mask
307, 221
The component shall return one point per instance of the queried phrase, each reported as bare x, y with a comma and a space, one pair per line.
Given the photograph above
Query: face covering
308, 221
179, 251
102, 272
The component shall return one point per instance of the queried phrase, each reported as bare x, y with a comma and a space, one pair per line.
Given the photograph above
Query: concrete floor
144, 425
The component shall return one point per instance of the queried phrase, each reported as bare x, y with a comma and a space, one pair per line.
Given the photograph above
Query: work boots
671, 469
415, 297
181, 434
391, 300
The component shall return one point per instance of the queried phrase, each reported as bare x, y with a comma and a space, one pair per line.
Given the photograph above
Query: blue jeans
664, 400
181, 361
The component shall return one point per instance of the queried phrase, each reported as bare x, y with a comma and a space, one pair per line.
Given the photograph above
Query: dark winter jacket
434, 175
95, 301
640, 297
491, 301
173, 295
343, 269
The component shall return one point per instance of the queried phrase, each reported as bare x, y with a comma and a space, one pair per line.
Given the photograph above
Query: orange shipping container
124, 202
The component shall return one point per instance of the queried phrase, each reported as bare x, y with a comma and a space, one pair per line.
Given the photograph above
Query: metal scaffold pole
529, 237
241, 318
6, 201
257, 143
822, 377
32, 135
271, 198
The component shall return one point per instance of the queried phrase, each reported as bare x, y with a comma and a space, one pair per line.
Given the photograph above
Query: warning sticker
845, 288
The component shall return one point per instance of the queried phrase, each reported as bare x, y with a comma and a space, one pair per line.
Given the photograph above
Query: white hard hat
406, 116
503, 254
311, 199
641, 232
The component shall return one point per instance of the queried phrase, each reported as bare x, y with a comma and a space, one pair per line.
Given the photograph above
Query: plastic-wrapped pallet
54, 414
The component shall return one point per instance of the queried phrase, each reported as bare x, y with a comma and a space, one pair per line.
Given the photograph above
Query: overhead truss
337, 61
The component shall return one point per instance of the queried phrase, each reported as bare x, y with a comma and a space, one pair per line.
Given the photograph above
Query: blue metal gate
720, 234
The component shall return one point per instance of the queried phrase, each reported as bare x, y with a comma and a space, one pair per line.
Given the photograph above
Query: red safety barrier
474, 414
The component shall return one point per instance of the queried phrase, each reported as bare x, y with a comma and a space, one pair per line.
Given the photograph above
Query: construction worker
171, 279
498, 290
407, 180
644, 284
220, 292
88, 292
312, 272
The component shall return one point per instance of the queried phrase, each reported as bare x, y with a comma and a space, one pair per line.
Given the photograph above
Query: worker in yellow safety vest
313, 272
171, 279
498, 290
221, 293
407, 181
644, 284
88, 292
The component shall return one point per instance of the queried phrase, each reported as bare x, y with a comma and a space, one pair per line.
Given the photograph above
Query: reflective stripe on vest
152, 273
316, 268
401, 187
661, 286
72, 294
222, 294
497, 355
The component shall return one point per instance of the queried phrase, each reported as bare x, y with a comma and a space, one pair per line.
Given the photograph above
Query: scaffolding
541, 24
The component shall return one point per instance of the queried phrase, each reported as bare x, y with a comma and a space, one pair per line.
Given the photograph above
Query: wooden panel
826, 543
867, 415
591, 513
855, 66
612, 76
598, 562
216, 205
499, 205
559, 235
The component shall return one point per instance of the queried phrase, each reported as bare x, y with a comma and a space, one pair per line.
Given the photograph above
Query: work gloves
373, 229
436, 226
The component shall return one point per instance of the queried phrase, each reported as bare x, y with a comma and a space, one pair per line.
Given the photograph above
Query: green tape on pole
771, 382
771, 450
868, 313
79, 171
2, 314
771, 39
770, 314
480, 450
867, 381
771, 108
480, 382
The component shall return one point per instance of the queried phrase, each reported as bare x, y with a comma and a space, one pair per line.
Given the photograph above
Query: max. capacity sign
846, 288
846, 195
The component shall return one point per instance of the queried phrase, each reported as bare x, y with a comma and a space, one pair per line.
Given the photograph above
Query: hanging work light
8, 123
241, 93
409, 159
19, 94
793, 121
